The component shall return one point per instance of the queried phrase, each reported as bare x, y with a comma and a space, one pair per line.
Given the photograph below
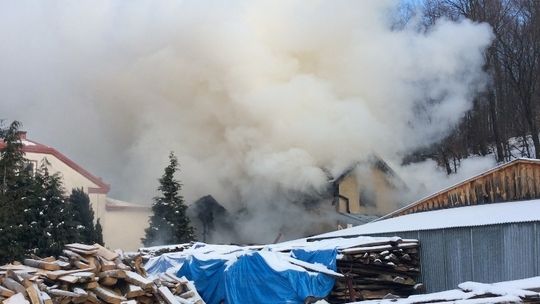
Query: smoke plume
255, 97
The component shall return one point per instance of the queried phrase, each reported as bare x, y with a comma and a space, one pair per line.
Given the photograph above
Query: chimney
21, 135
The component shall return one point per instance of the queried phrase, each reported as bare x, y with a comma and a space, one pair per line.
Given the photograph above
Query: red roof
30, 146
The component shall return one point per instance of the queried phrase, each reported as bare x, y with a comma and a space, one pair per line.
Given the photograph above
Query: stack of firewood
378, 270
148, 252
90, 274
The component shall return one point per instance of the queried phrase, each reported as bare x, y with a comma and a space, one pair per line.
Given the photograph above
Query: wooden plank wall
518, 181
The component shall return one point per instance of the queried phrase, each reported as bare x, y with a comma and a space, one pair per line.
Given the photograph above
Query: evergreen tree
169, 223
34, 215
84, 215
98, 237
15, 191
52, 219
12, 159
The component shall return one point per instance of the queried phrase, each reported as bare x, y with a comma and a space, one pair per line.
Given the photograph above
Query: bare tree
505, 117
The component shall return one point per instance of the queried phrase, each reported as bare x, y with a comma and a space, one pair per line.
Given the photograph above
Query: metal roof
469, 216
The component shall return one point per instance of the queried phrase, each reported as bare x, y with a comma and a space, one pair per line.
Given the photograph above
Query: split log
14, 286
16, 299
106, 253
136, 279
108, 295
41, 264
34, 294
4, 292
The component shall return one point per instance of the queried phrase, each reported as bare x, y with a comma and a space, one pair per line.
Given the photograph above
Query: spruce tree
84, 215
98, 236
11, 159
169, 223
15, 191
53, 221
34, 215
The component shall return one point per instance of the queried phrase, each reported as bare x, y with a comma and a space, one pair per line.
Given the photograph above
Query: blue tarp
325, 257
251, 279
208, 276
163, 264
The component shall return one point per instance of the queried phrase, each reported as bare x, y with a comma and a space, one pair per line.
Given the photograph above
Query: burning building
367, 188
363, 192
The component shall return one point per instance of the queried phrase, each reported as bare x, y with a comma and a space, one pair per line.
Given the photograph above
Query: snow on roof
332, 243
114, 204
479, 215
28, 143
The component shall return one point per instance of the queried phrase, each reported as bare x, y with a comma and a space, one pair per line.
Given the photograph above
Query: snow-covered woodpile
518, 291
148, 252
90, 274
377, 270
367, 267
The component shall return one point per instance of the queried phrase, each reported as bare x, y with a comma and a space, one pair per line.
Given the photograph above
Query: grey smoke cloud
254, 96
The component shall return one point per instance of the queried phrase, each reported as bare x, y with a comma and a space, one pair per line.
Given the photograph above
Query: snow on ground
518, 147
481, 288
449, 295
529, 283
475, 293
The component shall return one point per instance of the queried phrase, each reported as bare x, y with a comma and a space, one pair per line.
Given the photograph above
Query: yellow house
123, 223
367, 188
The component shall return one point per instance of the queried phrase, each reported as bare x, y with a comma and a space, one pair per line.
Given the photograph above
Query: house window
368, 198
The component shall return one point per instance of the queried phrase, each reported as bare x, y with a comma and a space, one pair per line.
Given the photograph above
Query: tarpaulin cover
325, 257
164, 263
208, 276
261, 277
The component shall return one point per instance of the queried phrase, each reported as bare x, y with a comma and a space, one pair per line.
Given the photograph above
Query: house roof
118, 205
207, 203
30, 146
497, 168
469, 216
373, 161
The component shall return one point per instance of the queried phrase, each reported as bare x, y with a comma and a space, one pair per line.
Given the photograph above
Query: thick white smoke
254, 96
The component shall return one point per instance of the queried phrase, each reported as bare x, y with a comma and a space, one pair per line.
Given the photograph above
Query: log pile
148, 252
90, 274
378, 270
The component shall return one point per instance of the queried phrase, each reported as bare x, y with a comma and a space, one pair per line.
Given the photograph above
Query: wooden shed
516, 180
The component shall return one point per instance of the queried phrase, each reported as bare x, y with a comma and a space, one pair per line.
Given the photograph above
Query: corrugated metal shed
500, 243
